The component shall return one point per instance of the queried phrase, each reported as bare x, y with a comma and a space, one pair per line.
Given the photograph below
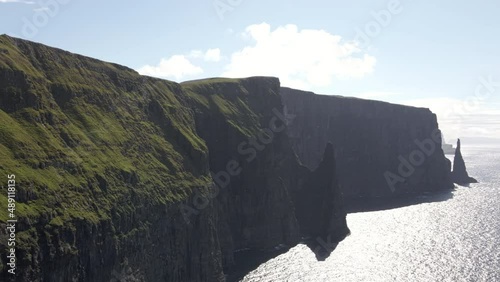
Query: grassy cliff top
85, 137
361, 101
244, 103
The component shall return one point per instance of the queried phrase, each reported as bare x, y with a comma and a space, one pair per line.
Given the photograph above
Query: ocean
447, 237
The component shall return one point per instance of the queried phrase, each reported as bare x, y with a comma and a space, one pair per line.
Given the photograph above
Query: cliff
102, 157
381, 149
126, 177
459, 174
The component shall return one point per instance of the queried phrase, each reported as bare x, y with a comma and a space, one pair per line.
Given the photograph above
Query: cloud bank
176, 67
300, 58
179, 67
457, 118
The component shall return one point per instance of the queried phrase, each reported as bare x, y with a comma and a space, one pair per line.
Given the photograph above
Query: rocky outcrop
319, 208
381, 149
104, 160
459, 173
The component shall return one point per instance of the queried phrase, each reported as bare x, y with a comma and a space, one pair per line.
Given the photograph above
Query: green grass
79, 121
229, 98
91, 141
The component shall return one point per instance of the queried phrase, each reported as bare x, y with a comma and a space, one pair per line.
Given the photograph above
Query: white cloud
176, 67
41, 9
211, 55
195, 54
304, 58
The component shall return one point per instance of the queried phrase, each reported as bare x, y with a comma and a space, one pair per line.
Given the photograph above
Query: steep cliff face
459, 174
102, 157
121, 177
263, 188
381, 149
319, 202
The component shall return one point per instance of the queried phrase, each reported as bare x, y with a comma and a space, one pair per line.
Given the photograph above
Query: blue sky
434, 54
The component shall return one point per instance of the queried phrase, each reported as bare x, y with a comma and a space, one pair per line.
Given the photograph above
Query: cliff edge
381, 149
131, 178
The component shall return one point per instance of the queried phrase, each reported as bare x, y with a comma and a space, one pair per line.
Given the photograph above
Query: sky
443, 55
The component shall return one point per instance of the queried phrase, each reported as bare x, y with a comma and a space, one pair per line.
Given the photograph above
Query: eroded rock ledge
116, 170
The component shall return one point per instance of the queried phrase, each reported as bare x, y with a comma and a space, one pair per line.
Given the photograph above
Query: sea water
449, 237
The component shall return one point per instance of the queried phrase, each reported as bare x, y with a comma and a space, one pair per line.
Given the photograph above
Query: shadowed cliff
381, 149
319, 208
126, 177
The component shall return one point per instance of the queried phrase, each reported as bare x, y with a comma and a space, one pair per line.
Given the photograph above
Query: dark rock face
315, 201
459, 173
273, 199
381, 149
319, 207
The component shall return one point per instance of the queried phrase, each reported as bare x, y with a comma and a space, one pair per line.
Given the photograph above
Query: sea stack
459, 174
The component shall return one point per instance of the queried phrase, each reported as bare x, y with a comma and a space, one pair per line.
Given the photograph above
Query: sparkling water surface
452, 237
